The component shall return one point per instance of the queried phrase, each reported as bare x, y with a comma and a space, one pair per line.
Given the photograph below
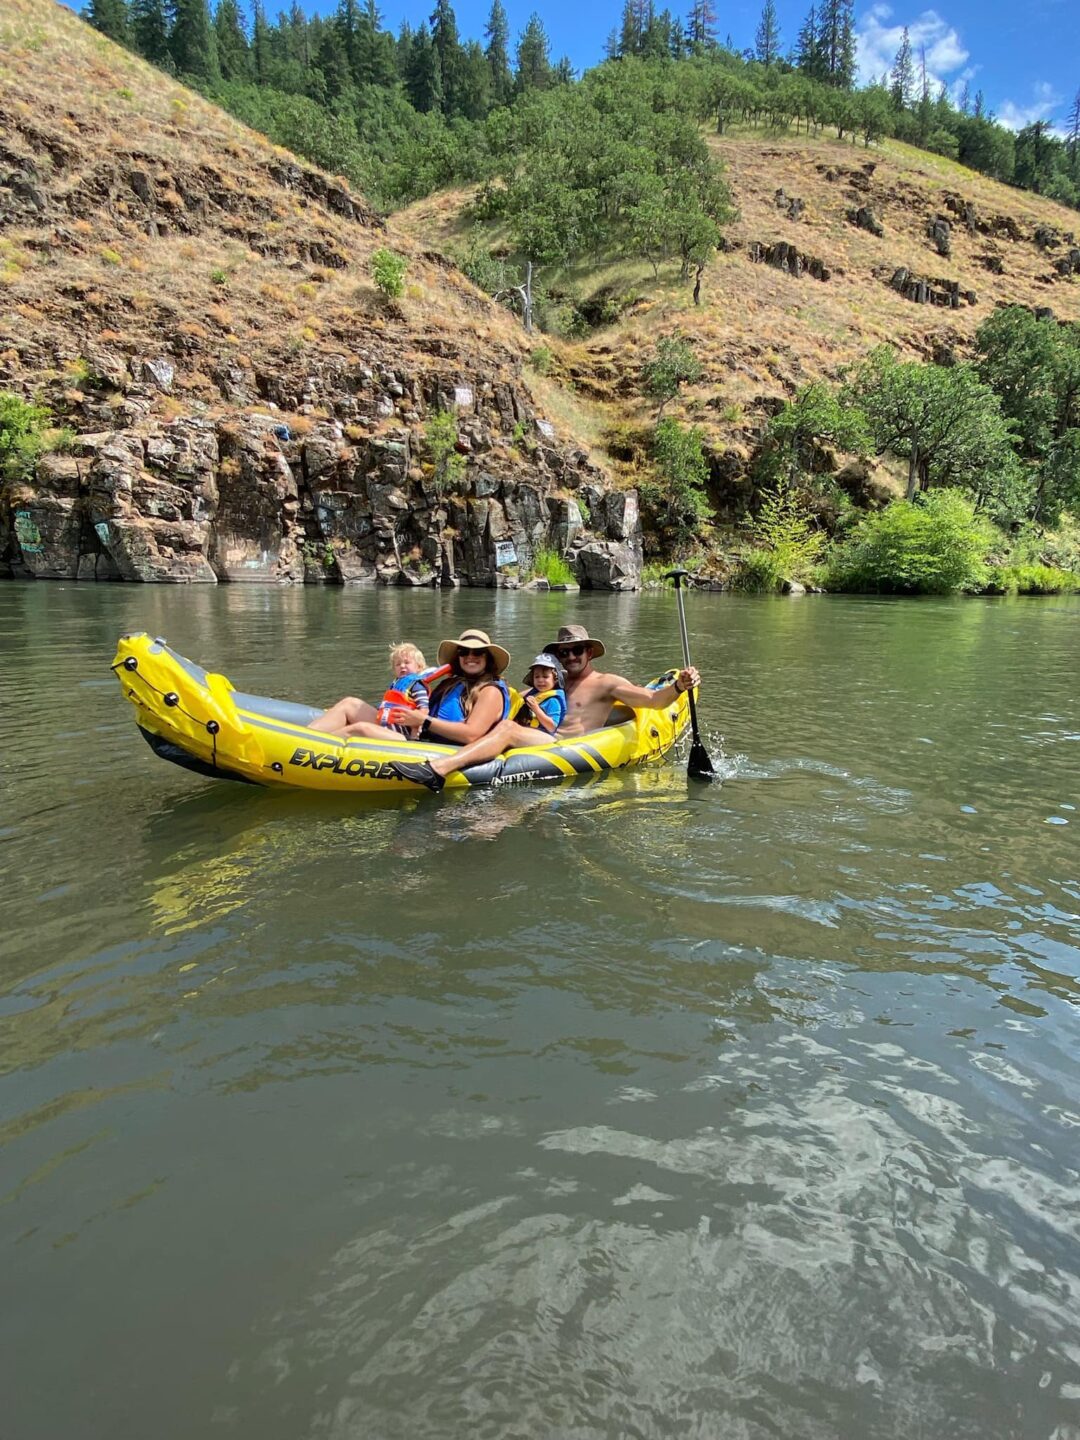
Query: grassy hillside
139, 223
761, 333
136, 219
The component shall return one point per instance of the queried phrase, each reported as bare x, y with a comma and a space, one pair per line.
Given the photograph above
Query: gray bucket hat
576, 635
544, 658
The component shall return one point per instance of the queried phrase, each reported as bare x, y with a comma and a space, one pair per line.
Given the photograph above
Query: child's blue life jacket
410, 692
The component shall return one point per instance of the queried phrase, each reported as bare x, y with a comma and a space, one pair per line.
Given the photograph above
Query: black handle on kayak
698, 764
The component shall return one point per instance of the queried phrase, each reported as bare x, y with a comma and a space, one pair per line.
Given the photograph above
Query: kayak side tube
196, 719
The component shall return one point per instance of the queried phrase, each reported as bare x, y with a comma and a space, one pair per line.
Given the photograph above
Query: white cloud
1044, 101
880, 38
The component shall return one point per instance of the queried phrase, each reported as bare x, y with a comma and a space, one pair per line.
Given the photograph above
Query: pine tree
965, 99
474, 93
150, 32
423, 74
191, 41
701, 23
980, 106
331, 61
374, 49
1072, 134
925, 108
234, 57
655, 32
497, 34
846, 56
903, 75
404, 44
808, 48
630, 29
111, 18
447, 46
260, 43
767, 40
533, 57
301, 45
836, 42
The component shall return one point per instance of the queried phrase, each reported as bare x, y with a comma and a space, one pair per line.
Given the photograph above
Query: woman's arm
486, 713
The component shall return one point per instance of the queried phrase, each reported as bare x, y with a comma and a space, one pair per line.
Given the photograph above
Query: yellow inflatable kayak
196, 719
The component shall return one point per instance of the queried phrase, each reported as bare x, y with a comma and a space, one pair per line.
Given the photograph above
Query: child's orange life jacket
410, 692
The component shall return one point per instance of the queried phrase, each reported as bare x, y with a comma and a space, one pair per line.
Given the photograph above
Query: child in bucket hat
544, 700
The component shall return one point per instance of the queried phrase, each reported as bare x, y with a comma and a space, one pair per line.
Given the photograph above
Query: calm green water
624, 1110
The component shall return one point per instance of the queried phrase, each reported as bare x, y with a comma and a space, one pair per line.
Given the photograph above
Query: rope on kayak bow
169, 698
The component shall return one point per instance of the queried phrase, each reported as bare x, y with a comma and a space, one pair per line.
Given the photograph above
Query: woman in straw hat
465, 705
546, 715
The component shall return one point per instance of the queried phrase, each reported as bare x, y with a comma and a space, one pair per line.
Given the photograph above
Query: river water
624, 1109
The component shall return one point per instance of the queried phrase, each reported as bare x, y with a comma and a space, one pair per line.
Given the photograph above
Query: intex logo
327, 760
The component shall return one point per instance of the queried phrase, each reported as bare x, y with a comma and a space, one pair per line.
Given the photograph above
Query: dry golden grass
759, 333
235, 255
241, 262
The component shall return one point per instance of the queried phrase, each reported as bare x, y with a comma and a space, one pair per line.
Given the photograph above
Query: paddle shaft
699, 764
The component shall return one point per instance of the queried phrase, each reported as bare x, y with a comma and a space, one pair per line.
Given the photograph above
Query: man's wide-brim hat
576, 635
544, 660
474, 640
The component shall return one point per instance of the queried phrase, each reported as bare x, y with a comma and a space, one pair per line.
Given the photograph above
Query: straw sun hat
474, 640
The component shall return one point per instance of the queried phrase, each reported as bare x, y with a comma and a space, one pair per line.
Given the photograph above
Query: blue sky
1026, 59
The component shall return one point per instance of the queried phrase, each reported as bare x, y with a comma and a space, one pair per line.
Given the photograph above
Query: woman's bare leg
506, 735
370, 730
339, 717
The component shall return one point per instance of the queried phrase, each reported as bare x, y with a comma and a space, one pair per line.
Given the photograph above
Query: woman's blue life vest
551, 702
410, 692
447, 704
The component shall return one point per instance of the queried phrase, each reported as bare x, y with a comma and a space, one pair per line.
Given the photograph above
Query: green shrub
1030, 580
759, 573
541, 359
388, 271
677, 497
672, 365
551, 566
934, 545
25, 433
441, 437
789, 541
219, 277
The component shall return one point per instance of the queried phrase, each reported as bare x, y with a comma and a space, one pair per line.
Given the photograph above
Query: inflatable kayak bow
196, 719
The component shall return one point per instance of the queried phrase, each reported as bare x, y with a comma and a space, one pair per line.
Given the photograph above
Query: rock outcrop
863, 218
790, 260
921, 291
939, 232
250, 496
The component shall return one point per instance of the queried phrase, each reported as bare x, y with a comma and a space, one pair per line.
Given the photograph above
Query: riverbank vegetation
990, 456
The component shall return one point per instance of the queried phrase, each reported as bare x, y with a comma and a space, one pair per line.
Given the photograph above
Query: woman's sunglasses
463, 650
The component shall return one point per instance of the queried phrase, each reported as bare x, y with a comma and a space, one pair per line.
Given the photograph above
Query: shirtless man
590, 695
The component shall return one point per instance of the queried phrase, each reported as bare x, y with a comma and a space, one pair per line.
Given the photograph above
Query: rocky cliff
251, 495
196, 305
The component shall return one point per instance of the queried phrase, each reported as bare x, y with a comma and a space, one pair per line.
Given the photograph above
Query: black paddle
698, 764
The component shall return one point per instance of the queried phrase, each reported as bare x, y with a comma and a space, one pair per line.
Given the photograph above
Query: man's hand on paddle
688, 679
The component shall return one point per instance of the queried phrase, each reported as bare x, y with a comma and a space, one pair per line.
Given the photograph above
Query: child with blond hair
410, 688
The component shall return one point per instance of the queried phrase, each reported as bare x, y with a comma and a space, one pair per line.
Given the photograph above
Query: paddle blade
698, 765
